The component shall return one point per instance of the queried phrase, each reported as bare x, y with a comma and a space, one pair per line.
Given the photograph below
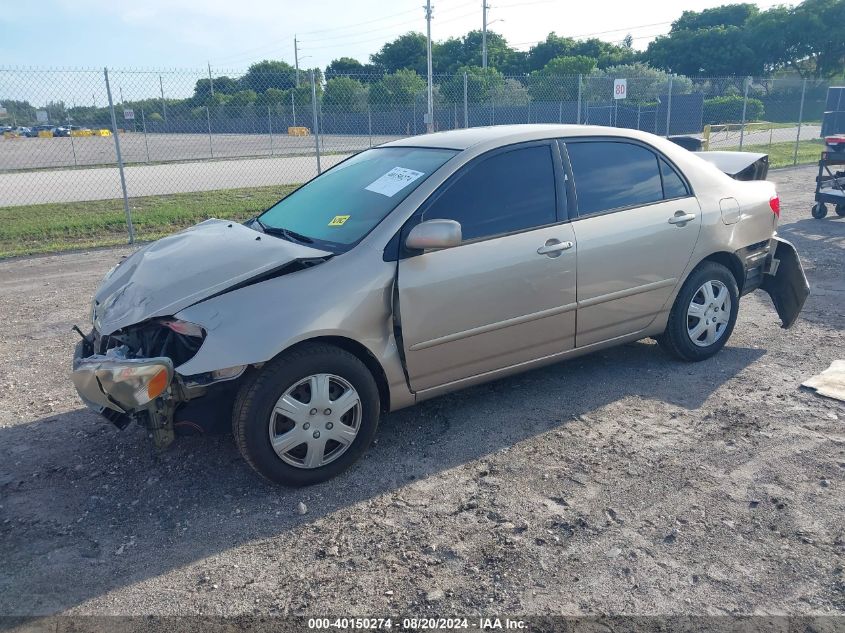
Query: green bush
729, 110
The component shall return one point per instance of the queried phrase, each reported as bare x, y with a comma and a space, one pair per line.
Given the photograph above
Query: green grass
781, 154
48, 228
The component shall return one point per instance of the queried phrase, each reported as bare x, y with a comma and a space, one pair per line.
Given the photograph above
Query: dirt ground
622, 482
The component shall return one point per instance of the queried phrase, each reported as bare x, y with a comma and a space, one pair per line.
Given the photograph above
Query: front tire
703, 315
819, 210
840, 210
307, 416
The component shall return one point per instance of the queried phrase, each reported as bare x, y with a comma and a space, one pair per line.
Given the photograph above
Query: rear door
506, 295
637, 224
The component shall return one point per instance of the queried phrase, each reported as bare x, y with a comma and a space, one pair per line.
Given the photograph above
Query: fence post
208, 120
144, 129
316, 121
73, 147
578, 115
744, 107
270, 130
466, 103
800, 119
293, 108
163, 102
370, 124
669, 106
130, 229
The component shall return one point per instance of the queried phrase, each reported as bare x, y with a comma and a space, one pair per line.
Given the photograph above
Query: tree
543, 52
557, 81
644, 82
726, 15
457, 52
344, 94
481, 85
716, 52
511, 92
272, 97
815, 34
268, 74
407, 51
243, 98
366, 73
344, 66
398, 88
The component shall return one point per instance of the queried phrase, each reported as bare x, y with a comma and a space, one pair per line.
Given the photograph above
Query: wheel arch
362, 353
729, 261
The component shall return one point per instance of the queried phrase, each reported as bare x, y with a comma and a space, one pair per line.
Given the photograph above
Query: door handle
554, 246
680, 218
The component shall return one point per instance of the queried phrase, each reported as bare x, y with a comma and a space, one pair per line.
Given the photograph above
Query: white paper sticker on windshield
393, 181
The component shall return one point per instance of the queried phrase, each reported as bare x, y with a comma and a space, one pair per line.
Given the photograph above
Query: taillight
774, 203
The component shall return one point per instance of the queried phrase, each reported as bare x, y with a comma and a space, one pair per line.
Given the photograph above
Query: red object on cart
836, 142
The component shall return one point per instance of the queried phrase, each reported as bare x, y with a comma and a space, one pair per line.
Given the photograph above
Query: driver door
506, 295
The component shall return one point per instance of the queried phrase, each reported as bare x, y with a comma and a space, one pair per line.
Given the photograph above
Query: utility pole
430, 115
484, 7
296, 59
210, 80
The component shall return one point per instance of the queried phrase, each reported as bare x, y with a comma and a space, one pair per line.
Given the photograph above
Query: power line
393, 26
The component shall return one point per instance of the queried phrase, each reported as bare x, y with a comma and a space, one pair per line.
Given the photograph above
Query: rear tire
283, 421
840, 210
819, 210
703, 315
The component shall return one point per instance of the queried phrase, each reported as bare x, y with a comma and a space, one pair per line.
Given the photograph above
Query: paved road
94, 151
764, 137
103, 183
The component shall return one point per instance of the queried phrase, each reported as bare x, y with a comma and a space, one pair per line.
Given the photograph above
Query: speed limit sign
620, 88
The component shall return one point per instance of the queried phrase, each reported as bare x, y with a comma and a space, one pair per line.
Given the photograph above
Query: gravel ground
621, 482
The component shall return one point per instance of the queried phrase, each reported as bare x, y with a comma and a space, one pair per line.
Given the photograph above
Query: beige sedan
424, 266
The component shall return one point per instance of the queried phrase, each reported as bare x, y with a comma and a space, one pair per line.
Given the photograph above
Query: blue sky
230, 35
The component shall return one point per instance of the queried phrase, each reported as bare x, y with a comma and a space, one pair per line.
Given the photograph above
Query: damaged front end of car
128, 367
129, 376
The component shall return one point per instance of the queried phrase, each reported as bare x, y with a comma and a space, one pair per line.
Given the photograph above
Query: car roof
496, 135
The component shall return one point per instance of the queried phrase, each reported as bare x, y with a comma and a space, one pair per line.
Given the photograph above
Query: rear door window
613, 174
507, 192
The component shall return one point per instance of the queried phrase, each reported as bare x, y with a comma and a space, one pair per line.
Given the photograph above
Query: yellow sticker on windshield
338, 220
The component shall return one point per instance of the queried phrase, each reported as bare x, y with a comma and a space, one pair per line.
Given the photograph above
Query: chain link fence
126, 151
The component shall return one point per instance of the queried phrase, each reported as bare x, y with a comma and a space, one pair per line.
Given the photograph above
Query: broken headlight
134, 384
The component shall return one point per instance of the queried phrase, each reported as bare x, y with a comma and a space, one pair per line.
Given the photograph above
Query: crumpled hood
177, 271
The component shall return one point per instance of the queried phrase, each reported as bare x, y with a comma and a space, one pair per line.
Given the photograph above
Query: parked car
424, 266
65, 130
35, 129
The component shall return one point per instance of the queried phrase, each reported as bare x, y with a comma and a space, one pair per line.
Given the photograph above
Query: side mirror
434, 234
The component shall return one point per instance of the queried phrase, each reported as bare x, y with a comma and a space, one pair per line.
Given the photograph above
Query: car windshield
338, 208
